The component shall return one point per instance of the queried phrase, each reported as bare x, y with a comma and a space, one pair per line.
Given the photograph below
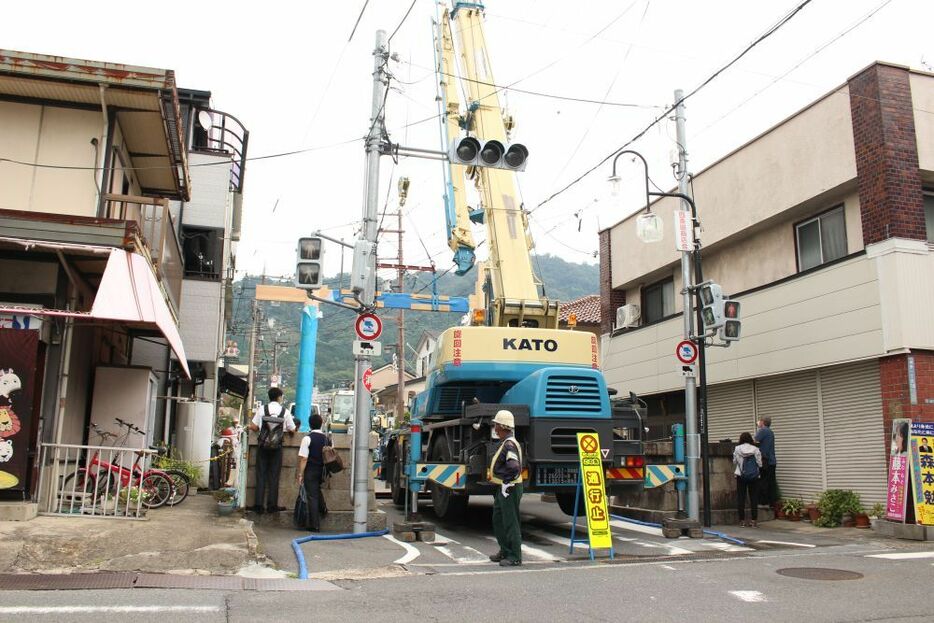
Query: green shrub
877, 510
191, 470
834, 503
793, 506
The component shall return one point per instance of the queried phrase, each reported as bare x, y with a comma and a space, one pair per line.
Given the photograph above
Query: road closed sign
594, 491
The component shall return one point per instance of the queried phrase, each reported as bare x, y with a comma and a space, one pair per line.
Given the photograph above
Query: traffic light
730, 331
711, 306
470, 151
309, 265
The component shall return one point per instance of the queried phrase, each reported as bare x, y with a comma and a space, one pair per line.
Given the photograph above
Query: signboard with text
594, 491
921, 460
897, 490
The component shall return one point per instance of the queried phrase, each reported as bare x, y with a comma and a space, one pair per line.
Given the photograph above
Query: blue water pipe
296, 545
306, 365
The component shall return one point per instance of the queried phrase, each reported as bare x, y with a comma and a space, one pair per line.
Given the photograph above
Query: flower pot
226, 508
847, 520
793, 516
862, 520
813, 513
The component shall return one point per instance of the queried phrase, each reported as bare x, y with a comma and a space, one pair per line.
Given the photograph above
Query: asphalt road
650, 581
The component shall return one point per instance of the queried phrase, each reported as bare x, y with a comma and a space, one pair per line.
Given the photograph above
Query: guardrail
94, 481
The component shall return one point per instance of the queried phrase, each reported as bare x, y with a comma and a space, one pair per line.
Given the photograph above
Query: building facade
822, 228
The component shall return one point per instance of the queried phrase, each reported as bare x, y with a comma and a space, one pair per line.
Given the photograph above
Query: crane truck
512, 355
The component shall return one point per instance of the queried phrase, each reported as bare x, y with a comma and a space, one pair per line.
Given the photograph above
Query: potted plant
876, 513
778, 507
813, 512
838, 506
861, 518
226, 501
792, 509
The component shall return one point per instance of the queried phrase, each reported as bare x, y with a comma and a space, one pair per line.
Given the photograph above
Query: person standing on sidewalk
748, 461
506, 471
271, 421
310, 472
765, 439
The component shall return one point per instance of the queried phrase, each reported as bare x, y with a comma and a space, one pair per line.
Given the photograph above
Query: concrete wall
49, 135
200, 319
210, 198
752, 187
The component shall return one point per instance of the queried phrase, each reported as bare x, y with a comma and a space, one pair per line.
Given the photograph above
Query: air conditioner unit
627, 316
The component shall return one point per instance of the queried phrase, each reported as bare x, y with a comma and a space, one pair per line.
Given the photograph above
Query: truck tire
566, 503
448, 505
394, 478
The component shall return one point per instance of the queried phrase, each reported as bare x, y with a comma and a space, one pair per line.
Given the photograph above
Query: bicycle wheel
158, 487
180, 486
81, 484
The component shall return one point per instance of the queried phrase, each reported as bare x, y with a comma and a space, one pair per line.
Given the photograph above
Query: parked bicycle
101, 478
181, 482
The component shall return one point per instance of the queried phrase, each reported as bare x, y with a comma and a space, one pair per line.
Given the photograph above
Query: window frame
216, 235
820, 237
660, 285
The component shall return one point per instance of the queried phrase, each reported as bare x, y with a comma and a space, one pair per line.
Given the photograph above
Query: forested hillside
562, 280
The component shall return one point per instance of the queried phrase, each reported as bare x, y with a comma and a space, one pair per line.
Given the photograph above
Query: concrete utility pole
363, 400
692, 458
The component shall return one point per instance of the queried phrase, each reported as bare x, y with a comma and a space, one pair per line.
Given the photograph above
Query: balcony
157, 234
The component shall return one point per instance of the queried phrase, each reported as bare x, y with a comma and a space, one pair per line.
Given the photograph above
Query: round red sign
368, 379
368, 326
686, 352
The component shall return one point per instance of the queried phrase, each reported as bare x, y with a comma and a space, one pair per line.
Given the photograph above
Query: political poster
897, 490
921, 453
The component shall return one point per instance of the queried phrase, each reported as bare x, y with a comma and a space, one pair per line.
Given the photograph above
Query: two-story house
822, 228
91, 154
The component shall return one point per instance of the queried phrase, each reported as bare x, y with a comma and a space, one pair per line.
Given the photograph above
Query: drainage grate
819, 573
59, 582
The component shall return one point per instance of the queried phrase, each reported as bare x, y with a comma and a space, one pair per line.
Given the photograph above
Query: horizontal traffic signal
470, 151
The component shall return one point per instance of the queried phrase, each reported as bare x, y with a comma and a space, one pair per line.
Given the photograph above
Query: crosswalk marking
750, 596
789, 543
533, 552
411, 552
554, 538
903, 555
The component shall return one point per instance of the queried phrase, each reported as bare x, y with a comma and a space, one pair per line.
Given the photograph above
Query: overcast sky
288, 72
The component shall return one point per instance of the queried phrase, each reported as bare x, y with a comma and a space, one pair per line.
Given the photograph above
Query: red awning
128, 293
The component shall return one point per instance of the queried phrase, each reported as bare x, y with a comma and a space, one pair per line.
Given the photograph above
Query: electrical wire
357, 23
404, 17
774, 28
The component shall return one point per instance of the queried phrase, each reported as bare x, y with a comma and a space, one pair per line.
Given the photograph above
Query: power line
404, 17
784, 20
357, 23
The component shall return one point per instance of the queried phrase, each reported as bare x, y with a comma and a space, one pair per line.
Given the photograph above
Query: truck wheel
397, 491
447, 504
566, 503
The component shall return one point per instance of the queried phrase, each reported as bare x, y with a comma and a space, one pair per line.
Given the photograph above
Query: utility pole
363, 400
692, 457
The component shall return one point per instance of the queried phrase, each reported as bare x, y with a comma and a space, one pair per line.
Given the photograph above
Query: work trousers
506, 522
311, 480
268, 466
752, 488
768, 487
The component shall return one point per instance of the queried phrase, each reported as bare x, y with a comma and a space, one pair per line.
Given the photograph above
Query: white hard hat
505, 418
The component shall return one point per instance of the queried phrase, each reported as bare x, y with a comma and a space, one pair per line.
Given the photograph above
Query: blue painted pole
306, 365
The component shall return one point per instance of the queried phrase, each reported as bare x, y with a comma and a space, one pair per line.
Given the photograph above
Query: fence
97, 481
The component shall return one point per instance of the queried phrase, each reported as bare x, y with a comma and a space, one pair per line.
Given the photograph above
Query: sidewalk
190, 539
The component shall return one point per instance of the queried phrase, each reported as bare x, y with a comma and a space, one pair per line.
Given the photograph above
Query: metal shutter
791, 401
731, 409
853, 430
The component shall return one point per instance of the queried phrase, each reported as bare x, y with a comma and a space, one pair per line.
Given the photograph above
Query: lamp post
649, 228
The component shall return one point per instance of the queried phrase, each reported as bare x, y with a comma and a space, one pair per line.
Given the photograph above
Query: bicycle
180, 481
157, 486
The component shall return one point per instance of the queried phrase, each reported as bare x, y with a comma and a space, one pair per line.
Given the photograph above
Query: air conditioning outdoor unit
627, 316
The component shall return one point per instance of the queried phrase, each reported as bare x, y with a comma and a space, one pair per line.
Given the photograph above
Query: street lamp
649, 226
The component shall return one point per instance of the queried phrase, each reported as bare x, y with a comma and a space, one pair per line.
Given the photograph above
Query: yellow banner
922, 471
594, 491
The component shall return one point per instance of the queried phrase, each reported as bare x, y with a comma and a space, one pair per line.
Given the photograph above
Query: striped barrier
445, 474
624, 473
657, 475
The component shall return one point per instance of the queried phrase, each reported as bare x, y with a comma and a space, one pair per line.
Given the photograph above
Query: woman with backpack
748, 461
311, 472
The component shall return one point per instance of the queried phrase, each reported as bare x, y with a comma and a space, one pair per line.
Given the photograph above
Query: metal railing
222, 132
157, 228
93, 481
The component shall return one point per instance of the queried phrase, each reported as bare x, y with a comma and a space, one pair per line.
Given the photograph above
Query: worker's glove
505, 487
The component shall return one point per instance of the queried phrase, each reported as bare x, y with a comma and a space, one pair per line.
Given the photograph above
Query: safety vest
493, 477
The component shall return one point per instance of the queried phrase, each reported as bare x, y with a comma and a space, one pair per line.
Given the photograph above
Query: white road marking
750, 596
791, 543
669, 567
534, 552
103, 609
554, 538
634, 527
470, 556
903, 555
411, 552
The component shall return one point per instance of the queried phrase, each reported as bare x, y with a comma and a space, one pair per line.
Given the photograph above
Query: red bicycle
101, 477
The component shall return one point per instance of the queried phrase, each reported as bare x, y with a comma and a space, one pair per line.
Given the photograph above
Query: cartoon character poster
18, 349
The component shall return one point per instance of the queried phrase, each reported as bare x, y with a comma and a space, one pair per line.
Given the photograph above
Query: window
658, 301
821, 239
202, 249
929, 214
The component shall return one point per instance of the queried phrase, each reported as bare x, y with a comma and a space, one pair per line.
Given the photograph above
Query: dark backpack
750, 469
270, 434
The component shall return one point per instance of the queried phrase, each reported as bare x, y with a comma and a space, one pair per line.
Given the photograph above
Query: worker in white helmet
506, 471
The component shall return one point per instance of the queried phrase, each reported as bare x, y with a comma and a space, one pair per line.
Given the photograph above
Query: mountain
281, 322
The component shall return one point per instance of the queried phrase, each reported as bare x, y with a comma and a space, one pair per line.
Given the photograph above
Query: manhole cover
819, 573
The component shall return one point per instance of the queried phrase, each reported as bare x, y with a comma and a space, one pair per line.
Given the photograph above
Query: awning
128, 293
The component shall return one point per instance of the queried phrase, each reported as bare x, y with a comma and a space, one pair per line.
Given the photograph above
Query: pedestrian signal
309, 266
731, 322
711, 306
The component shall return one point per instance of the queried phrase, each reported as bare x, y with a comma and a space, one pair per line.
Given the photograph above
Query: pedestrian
506, 471
271, 421
310, 473
765, 439
748, 461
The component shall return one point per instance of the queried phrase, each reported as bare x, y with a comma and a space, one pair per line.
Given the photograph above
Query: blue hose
296, 545
719, 535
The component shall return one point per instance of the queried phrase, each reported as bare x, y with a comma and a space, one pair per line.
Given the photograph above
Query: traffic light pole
361, 422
